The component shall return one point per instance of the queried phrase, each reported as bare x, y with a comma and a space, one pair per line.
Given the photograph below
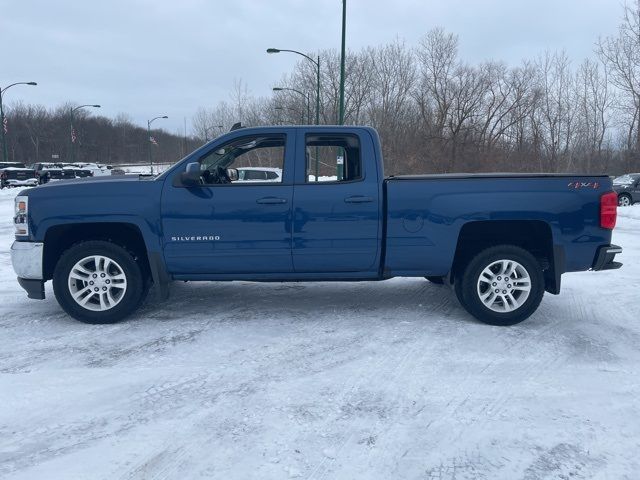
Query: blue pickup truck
500, 240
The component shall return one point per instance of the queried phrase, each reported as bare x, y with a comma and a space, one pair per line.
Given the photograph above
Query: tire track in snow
322, 470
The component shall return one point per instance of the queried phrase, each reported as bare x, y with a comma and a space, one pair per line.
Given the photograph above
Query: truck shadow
252, 300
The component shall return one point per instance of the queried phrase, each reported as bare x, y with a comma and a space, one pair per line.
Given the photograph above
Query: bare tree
622, 55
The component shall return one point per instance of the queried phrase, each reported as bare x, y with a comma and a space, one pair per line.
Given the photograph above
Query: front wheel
98, 282
501, 285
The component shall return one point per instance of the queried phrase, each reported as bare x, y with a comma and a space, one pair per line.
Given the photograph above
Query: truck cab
282, 226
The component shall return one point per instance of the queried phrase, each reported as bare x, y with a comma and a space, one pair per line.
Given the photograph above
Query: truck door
229, 225
336, 222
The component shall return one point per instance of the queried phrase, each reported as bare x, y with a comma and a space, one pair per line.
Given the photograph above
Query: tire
436, 280
119, 278
497, 309
624, 200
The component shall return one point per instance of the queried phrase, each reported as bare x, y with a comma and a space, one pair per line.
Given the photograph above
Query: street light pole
5, 153
72, 133
304, 96
149, 122
317, 64
342, 55
206, 131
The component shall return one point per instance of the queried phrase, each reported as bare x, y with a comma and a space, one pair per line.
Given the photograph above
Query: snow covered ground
389, 380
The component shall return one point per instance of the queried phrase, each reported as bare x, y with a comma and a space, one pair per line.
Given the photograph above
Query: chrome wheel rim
504, 286
97, 283
624, 201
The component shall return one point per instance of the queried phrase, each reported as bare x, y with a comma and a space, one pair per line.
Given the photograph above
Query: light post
342, 55
5, 154
72, 133
278, 118
281, 109
317, 64
207, 129
304, 96
149, 122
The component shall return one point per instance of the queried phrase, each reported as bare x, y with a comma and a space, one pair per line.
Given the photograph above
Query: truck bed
437, 176
425, 214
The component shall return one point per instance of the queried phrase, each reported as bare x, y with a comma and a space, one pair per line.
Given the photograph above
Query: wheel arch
59, 238
535, 236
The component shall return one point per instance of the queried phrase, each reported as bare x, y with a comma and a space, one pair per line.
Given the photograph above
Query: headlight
20, 220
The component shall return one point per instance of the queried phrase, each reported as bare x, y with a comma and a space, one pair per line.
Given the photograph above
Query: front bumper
605, 257
26, 258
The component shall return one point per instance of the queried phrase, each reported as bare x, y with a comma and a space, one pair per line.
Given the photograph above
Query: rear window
626, 179
333, 158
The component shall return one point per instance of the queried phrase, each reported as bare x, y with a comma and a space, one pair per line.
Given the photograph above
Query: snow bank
632, 211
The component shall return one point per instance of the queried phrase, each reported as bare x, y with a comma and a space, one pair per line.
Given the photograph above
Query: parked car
628, 189
78, 172
81, 172
259, 174
500, 240
94, 168
14, 174
47, 172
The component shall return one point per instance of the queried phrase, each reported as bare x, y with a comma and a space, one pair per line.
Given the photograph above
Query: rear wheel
501, 285
98, 282
624, 200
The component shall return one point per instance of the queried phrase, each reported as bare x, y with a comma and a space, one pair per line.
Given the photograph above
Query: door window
333, 158
251, 159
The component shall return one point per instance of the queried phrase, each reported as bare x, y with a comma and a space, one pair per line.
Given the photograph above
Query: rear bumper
605, 258
31, 182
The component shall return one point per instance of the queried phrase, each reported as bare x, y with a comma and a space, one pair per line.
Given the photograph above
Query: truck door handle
271, 200
358, 199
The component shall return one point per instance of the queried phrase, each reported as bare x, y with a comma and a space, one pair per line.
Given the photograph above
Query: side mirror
191, 177
232, 173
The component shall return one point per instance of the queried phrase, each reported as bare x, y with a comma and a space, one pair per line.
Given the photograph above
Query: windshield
625, 179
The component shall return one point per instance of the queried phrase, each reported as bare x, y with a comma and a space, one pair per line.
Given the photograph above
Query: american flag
153, 140
5, 124
73, 135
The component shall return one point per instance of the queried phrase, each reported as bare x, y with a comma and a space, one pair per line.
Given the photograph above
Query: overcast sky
153, 57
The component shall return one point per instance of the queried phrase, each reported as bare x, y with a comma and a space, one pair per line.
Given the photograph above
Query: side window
333, 158
253, 158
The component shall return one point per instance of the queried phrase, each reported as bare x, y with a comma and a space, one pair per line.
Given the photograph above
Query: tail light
608, 210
